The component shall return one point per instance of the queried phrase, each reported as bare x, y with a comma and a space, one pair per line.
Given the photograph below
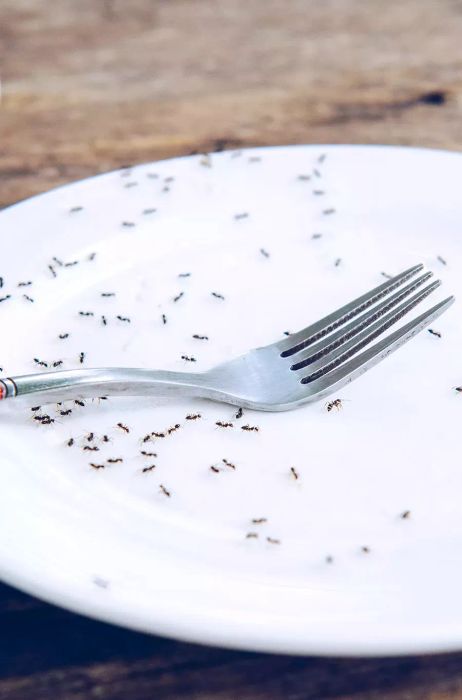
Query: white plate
108, 542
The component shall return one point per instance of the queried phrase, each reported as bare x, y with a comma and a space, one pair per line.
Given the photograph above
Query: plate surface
358, 555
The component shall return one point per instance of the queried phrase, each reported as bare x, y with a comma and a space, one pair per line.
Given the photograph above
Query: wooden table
90, 85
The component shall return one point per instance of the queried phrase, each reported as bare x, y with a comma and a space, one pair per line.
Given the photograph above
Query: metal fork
303, 367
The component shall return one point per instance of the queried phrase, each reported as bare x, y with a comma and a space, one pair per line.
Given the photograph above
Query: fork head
320, 359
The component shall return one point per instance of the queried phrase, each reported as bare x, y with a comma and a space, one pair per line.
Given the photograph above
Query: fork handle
50, 387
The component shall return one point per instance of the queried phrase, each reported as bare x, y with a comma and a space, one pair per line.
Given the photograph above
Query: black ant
214, 469
97, 466
158, 435
20, 284
173, 428
62, 336
442, 260
86, 313
326, 212
239, 413
124, 318
40, 362
95, 448
149, 469
193, 416
188, 358
271, 540
92, 256
115, 460
405, 514
365, 550
52, 270
146, 438
79, 403
47, 420
58, 363
259, 521
250, 428
217, 296
35, 408
108, 294
294, 473
184, 274
164, 319
81, 358
90, 436
149, 211
106, 438
200, 337
123, 427
66, 413
70, 442
437, 333
148, 454
238, 217
251, 535
221, 424
104, 320
28, 298
128, 224
71, 264
336, 403
178, 296
74, 210
228, 464
264, 253
164, 490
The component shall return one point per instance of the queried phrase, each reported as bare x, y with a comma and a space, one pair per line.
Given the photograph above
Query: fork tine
334, 342
318, 330
335, 359
348, 371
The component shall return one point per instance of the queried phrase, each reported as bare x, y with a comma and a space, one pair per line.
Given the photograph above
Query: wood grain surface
89, 85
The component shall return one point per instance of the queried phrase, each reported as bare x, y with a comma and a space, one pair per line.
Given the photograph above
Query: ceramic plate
327, 532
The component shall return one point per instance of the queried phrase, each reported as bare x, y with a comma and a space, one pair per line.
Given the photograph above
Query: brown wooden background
88, 85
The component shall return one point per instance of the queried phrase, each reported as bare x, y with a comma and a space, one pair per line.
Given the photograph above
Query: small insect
124, 318
239, 413
221, 424
315, 236
365, 550
128, 224
79, 402
152, 176
35, 408
81, 357
57, 363
149, 469
217, 296
322, 157
188, 358
442, 260
40, 418
52, 270
70, 442
200, 337
384, 274
170, 178
158, 435
318, 192
164, 490
148, 454
259, 521
405, 514
92, 256
66, 413
104, 320
336, 403
74, 210
458, 389
149, 211
5, 298
164, 319
254, 159
123, 427
250, 428
329, 211
71, 264
63, 336
251, 535
47, 420
304, 178
40, 362
28, 298
108, 294
130, 184
214, 469
146, 438
58, 261
86, 313
184, 274
243, 215
294, 473
228, 464
90, 437
115, 460
272, 540
337, 262
106, 438
173, 428
21, 284
193, 416
329, 559
316, 172
178, 296
97, 466
264, 253
437, 333
90, 448
100, 582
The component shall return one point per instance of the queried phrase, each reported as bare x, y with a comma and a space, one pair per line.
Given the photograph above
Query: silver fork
305, 366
